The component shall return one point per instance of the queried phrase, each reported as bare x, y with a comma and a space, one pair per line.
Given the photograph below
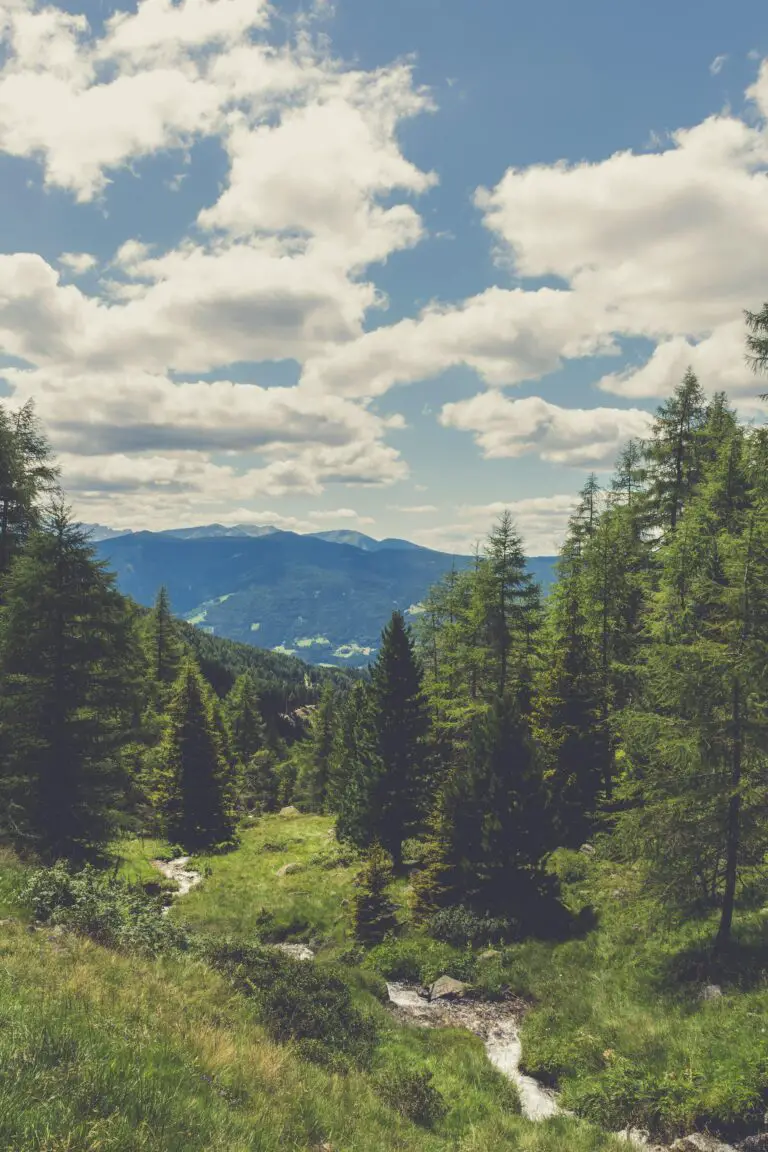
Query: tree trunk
732, 827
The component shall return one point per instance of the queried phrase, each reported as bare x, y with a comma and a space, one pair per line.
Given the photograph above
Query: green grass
12, 876
135, 856
619, 1022
115, 1053
311, 904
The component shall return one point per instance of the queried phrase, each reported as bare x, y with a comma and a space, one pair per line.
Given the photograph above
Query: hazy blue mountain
323, 601
360, 540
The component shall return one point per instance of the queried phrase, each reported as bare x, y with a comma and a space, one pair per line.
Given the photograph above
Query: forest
560, 800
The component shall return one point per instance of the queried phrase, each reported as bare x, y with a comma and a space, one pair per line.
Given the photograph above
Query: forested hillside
560, 805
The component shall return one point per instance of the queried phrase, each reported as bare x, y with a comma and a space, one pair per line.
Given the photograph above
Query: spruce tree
68, 674
673, 453
400, 724
27, 476
195, 786
164, 648
374, 912
247, 732
317, 754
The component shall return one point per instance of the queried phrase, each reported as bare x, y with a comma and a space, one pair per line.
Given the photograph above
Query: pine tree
492, 829
698, 737
569, 716
316, 760
164, 648
247, 732
27, 474
757, 340
400, 724
374, 912
673, 453
68, 673
195, 788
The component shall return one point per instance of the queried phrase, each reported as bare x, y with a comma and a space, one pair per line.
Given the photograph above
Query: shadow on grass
742, 965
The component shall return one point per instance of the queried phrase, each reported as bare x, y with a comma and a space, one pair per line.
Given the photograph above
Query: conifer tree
317, 754
27, 475
195, 787
164, 646
698, 737
247, 732
673, 452
68, 678
400, 725
492, 829
374, 912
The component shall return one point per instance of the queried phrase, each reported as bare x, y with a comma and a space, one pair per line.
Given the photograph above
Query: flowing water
176, 870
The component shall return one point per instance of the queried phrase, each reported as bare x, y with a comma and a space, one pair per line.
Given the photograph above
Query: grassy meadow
110, 1050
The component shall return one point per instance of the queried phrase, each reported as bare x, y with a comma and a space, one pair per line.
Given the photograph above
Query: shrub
420, 959
103, 907
460, 926
413, 1095
298, 1001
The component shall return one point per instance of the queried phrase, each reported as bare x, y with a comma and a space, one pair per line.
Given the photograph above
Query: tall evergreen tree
673, 453
317, 754
247, 732
195, 786
163, 643
68, 674
698, 736
374, 912
27, 476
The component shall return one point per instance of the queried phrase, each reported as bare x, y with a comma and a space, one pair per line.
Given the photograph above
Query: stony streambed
176, 870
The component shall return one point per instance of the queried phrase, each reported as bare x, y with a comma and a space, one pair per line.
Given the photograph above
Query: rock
711, 992
5, 923
289, 811
446, 988
289, 869
756, 1143
587, 850
298, 951
700, 1143
489, 954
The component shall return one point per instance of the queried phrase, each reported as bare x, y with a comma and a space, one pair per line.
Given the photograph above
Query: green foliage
298, 1001
461, 926
68, 666
413, 1095
374, 912
420, 960
101, 906
315, 757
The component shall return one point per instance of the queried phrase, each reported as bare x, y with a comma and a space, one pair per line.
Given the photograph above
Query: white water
176, 870
501, 1037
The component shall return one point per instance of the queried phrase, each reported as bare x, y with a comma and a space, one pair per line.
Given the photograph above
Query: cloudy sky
380, 264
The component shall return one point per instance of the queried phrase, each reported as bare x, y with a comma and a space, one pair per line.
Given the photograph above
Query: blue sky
388, 265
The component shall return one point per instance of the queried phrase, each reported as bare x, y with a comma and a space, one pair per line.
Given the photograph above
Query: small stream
176, 870
495, 1025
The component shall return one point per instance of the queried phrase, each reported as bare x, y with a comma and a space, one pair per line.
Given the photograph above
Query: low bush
461, 926
103, 907
298, 1001
420, 960
413, 1095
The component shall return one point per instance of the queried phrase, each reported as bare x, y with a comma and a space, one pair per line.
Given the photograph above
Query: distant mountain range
324, 596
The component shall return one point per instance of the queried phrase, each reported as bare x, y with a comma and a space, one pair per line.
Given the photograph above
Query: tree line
633, 704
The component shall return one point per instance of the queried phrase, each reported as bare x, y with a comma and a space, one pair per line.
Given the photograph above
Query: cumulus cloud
581, 437
77, 263
540, 520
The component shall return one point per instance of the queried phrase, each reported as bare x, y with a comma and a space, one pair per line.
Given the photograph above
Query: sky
387, 265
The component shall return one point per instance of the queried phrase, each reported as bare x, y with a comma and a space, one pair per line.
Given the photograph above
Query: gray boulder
711, 992
700, 1143
289, 811
289, 869
446, 988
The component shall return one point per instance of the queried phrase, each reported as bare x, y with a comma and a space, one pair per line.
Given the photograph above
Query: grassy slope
110, 1052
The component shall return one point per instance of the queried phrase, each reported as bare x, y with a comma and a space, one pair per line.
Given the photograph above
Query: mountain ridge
300, 594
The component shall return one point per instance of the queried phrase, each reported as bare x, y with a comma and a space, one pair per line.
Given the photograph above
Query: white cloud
717, 65
540, 520
414, 509
78, 262
581, 437
333, 515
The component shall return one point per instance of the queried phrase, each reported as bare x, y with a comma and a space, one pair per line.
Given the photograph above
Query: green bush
300, 1002
461, 926
413, 1095
103, 907
420, 960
